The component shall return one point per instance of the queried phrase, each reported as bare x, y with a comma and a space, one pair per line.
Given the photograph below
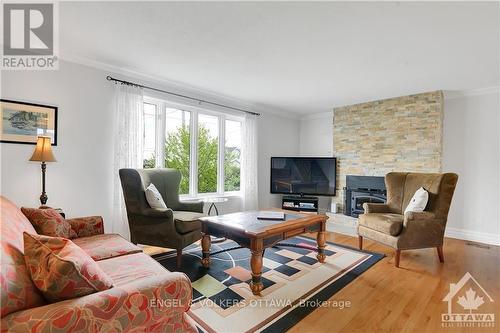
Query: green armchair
387, 223
175, 227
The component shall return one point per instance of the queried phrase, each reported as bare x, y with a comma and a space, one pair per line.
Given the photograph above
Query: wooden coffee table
245, 229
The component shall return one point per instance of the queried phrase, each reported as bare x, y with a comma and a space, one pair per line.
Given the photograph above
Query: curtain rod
109, 78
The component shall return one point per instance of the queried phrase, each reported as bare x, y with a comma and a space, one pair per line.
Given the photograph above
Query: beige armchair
385, 223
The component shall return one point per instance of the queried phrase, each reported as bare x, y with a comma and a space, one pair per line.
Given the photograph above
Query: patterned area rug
295, 283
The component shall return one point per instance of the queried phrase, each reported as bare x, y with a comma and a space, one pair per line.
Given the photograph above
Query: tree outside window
178, 147
232, 156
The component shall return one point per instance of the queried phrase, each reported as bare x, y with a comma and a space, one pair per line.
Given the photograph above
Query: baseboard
475, 236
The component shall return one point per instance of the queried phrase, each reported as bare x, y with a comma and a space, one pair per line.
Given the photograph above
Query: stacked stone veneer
396, 134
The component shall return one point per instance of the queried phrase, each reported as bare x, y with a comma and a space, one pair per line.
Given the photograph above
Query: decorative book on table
271, 215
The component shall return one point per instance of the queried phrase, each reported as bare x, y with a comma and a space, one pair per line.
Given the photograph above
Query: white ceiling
299, 57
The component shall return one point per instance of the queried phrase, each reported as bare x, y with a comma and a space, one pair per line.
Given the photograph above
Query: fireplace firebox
361, 189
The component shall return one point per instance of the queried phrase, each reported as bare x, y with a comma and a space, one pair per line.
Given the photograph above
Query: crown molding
177, 87
453, 94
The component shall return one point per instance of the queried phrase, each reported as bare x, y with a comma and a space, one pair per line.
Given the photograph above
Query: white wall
471, 148
316, 139
278, 136
316, 132
80, 181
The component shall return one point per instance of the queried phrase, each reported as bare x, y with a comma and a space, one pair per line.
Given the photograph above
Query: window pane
177, 143
232, 159
208, 143
149, 145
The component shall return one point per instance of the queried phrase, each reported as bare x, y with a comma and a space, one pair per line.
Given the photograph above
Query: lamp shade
43, 150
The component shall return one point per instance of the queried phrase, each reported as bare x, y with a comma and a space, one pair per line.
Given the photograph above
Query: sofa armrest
376, 208
87, 226
191, 206
157, 303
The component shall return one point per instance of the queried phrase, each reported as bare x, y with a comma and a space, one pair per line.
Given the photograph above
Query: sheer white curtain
249, 174
128, 136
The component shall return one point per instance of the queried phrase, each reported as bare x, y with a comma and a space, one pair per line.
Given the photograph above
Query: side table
212, 201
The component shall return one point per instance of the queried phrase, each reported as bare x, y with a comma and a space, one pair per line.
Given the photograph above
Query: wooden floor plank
409, 298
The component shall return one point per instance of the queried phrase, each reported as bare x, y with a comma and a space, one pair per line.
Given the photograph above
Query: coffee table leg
321, 239
256, 265
205, 248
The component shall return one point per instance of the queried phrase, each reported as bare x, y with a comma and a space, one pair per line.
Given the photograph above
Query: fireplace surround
396, 134
361, 189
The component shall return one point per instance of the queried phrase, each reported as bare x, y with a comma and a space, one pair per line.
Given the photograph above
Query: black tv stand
300, 203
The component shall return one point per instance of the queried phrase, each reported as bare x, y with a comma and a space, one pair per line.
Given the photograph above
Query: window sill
229, 195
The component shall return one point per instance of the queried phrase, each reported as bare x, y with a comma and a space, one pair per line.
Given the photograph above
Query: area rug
295, 284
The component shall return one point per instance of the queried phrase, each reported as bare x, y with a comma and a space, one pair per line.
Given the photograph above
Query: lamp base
43, 198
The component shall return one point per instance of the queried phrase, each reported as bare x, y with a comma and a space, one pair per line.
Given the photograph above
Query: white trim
475, 236
181, 88
195, 112
198, 92
231, 194
221, 153
453, 94
161, 135
223, 99
193, 151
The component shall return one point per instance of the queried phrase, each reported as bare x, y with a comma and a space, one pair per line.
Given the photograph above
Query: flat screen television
303, 175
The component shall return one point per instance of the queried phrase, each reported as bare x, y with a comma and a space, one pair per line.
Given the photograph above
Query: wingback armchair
387, 223
175, 227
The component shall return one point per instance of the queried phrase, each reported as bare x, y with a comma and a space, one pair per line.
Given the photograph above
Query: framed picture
22, 122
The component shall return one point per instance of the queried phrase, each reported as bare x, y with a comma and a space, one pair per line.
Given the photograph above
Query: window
208, 152
177, 151
203, 145
232, 156
149, 144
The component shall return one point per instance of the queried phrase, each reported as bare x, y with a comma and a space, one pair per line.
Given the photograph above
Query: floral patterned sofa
145, 297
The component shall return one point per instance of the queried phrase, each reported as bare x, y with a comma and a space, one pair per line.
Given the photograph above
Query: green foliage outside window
232, 169
149, 163
177, 148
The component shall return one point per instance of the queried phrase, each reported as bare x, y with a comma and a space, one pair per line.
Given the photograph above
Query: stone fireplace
396, 134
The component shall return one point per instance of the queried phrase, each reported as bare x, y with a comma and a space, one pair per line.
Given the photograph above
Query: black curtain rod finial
200, 101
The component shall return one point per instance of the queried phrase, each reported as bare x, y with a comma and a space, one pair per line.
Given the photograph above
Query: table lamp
43, 153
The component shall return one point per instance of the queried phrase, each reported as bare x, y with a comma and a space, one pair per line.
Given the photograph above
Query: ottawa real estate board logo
30, 36
468, 305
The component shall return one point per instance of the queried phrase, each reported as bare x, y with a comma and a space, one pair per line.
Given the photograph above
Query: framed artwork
22, 122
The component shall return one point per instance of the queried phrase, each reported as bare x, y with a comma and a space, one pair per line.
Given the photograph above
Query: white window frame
156, 130
161, 106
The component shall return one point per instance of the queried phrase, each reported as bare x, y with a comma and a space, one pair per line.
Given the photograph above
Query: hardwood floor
409, 298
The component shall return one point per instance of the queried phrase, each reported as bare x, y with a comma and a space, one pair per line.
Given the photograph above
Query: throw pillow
418, 202
49, 222
154, 197
60, 269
